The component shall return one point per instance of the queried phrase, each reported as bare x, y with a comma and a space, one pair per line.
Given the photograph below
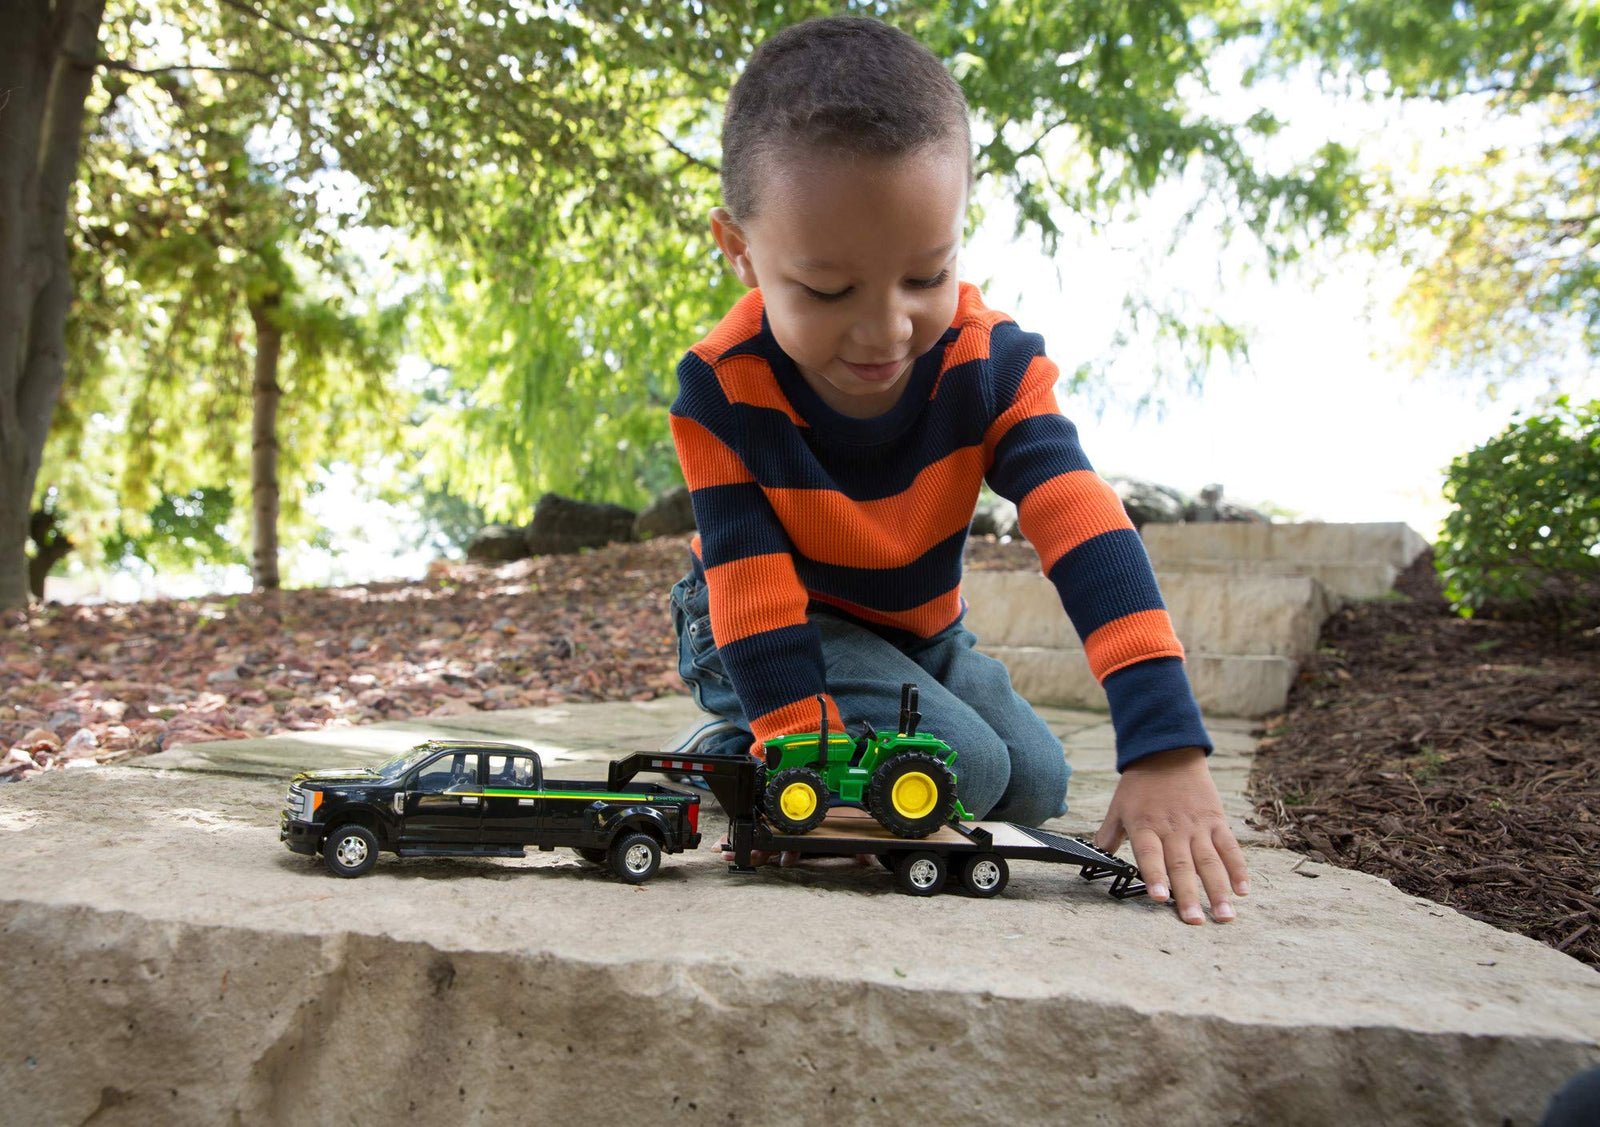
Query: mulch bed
1459, 759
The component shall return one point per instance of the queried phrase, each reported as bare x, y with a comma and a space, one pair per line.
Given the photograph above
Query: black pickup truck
478, 799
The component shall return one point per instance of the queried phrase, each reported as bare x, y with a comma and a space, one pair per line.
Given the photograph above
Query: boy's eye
916, 283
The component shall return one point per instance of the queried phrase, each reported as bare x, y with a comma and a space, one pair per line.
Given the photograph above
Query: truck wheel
912, 794
985, 874
921, 873
635, 857
350, 851
797, 800
593, 856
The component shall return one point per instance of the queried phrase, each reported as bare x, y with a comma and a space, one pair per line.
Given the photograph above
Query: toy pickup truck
470, 798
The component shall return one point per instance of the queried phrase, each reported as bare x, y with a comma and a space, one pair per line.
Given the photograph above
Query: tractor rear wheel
797, 800
912, 794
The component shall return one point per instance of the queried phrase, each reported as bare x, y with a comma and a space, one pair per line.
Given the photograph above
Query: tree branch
117, 64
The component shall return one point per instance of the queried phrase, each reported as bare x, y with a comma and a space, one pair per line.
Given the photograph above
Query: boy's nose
885, 329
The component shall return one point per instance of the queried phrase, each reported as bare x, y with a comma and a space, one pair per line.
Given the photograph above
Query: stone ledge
1224, 684
1215, 612
174, 963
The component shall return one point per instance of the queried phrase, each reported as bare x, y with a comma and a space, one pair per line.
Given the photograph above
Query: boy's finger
1148, 855
1109, 836
1233, 858
1214, 874
1185, 883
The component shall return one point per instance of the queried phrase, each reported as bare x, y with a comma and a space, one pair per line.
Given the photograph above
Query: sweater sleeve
1089, 550
769, 646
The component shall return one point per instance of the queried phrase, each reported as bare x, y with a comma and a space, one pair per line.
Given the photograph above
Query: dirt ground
1459, 759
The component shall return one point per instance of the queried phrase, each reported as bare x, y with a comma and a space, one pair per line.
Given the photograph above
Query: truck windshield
403, 762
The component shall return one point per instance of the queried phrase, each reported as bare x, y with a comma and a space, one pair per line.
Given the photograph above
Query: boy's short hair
846, 83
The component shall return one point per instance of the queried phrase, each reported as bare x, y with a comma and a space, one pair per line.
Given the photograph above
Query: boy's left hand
1168, 807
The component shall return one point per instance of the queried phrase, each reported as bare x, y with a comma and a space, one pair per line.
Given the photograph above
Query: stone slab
1341, 581
168, 961
1223, 684
1177, 546
1213, 612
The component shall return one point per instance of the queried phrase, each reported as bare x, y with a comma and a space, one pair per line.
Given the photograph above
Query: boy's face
856, 260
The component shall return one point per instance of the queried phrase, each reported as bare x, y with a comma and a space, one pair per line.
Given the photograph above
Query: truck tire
920, 873
635, 857
797, 800
912, 794
350, 851
593, 856
984, 874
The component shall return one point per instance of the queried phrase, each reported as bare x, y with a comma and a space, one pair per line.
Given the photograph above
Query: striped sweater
800, 507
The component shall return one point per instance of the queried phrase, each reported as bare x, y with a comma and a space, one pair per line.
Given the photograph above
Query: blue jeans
1009, 765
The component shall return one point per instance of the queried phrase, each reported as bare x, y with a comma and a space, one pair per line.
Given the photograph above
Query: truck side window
518, 771
458, 770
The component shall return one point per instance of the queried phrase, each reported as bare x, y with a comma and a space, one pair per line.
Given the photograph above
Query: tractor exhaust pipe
909, 716
822, 733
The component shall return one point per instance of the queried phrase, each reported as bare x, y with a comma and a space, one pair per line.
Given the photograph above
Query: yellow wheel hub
797, 801
914, 795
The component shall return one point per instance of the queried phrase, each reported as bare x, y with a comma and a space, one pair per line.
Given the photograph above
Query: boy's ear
735, 249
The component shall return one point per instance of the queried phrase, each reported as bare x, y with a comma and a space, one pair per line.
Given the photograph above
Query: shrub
1525, 533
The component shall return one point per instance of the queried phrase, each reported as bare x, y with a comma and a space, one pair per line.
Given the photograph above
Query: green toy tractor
904, 779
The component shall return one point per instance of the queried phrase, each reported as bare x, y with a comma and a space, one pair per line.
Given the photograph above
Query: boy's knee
1035, 794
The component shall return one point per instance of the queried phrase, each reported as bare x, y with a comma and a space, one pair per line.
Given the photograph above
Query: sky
1322, 423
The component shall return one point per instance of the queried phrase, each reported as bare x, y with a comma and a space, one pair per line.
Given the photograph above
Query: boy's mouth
875, 373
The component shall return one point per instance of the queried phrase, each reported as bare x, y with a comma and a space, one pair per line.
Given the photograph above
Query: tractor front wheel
912, 794
796, 800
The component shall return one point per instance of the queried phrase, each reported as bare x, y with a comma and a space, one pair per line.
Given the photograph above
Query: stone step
1223, 684
169, 961
1214, 613
1306, 545
1341, 581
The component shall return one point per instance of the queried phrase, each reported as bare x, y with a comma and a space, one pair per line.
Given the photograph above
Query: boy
834, 429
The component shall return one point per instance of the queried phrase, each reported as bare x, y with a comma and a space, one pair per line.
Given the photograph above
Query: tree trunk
50, 547
264, 445
47, 55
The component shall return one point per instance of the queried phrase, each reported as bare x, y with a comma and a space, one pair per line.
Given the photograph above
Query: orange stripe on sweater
705, 458
1035, 396
754, 594
750, 380
1059, 514
830, 528
924, 621
801, 716
1132, 638
742, 322
976, 321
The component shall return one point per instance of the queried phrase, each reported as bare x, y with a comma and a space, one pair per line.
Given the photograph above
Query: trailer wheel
593, 856
797, 800
985, 874
635, 857
350, 851
912, 794
921, 873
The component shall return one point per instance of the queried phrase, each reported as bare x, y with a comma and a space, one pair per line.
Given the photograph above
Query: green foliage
1502, 236
1527, 515
182, 532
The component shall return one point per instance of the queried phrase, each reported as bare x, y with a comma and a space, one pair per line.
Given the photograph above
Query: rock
40, 739
562, 526
497, 543
83, 742
359, 643
670, 514
1211, 509
994, 516
222, 677
1149, 503
486, 670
